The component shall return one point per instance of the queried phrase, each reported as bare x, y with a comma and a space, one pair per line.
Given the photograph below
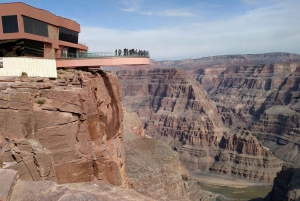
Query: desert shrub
23, 74
40, 101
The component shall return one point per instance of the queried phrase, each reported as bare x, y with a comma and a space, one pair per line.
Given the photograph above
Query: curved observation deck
96, 60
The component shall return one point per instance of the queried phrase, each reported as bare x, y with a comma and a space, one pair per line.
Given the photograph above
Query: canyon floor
221, 180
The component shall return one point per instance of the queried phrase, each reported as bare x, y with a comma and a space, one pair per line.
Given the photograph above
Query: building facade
29, 37
32, 32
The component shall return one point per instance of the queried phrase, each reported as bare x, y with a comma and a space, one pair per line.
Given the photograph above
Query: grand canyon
156, 132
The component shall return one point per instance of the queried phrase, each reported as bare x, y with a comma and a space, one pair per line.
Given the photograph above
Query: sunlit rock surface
263, 98
175, 108
66, 130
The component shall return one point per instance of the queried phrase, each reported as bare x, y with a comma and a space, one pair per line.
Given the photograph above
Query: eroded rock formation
264, 98
243, 155
154, 169
66, 130
176, 109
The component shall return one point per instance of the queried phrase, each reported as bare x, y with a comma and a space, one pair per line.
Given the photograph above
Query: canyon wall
263, 98
66, 130
153, 168
242, 155
286, 185
175, 109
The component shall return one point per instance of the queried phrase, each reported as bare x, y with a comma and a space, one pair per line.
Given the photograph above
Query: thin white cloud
260, 2
131, 5
135, 6
269, 29
175, 13
170, 13
252, 2
130, 9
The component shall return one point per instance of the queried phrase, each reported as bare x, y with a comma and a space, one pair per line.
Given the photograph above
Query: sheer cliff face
152, 167
175, 109
174, 103
66, 130
265, 98
286, 185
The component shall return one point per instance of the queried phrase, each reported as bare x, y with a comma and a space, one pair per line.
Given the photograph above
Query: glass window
20, 47
33, 48
68, 35
10, 24
34, 26
11, 48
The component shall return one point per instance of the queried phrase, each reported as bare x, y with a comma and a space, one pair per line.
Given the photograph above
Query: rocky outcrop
49, 190
243, 155
175, 109
66, 130
286, 185
154, 169
278, 129
8, 179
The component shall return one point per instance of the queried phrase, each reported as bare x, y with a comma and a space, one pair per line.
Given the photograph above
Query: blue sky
182, 29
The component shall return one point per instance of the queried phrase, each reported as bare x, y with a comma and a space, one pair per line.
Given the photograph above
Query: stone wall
53, 32
49, 52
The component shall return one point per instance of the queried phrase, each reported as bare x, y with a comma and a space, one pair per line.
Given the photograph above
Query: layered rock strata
175, 109
154, 169
66, 130
264, 98
243, 155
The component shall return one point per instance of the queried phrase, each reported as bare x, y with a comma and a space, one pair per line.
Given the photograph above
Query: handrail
97, 55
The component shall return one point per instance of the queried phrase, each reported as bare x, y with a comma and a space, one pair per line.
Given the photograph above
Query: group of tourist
131, 52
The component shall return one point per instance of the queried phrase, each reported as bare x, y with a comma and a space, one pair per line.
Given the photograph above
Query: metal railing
98, 55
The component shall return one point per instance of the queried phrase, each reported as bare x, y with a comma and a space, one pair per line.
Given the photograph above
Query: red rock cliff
69, 130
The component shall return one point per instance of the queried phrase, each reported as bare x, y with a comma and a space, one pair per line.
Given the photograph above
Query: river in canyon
238, 193
232, 188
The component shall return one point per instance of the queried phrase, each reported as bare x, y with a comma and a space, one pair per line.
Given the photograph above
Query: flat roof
20, 8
